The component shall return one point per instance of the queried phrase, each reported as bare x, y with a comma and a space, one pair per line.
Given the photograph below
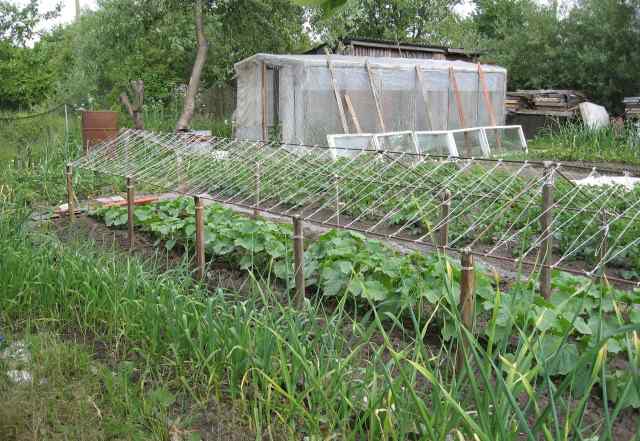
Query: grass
71, 395
575, 142
340, 371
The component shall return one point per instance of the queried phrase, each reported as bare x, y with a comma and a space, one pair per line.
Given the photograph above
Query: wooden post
352, 112
467, 300
487, 101
200, 270
334, 85
445, 208
70, 202
130, 208
257, 185
376, 97
604, 246
298, 260
420, 81
545, 223
461, 117
336, 181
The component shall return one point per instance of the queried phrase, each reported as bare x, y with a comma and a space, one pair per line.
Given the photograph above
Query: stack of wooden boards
632, 107
544, 101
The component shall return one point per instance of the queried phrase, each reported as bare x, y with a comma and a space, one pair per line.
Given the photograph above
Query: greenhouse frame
303, 98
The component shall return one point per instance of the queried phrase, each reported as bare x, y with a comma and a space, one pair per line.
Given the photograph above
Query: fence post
604, 246
200, 263
257, 184
545, 222
70, 202
445, 207
467, 300
130, 212
337, 189
298, 260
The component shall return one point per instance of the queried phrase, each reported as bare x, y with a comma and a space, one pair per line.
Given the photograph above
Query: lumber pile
544, 100
632, 107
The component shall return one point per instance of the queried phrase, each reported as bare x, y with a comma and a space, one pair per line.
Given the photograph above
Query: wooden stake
420, 79
298, 260
445, 207
604, 246
70, 202
467, 300
376, 98
336, 182
545, 223
257, 184
200, 263
352, 113
334, 84
130, 208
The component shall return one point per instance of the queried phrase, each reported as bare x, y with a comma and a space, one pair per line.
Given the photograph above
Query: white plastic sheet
307, 110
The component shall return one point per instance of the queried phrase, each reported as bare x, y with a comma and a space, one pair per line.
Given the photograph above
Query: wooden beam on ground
376, 97
352, 113
334, 85
420, 79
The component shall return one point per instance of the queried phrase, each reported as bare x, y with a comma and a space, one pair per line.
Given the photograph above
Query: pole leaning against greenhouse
130, 208
70, 205
545, 223
200, 262
298, 260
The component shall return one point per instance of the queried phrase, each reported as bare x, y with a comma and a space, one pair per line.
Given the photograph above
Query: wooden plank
352, 113
487, 98
461, 118
420, 79
376, 98
334, 84
456, 95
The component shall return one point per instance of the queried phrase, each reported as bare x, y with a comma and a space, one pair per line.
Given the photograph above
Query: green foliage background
593, 45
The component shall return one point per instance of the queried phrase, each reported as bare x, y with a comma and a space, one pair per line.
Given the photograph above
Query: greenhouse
303, 98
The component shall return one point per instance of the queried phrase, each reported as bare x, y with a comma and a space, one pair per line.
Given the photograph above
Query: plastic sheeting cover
307, 109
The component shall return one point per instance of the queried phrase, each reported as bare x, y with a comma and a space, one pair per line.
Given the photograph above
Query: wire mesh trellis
496, 207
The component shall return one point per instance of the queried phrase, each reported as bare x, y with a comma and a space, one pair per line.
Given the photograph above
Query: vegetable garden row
576, 316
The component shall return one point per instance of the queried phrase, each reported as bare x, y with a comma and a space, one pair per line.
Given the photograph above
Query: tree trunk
135, 109
196, 73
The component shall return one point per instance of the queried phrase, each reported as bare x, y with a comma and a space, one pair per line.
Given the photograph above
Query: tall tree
196, 72
428, 21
